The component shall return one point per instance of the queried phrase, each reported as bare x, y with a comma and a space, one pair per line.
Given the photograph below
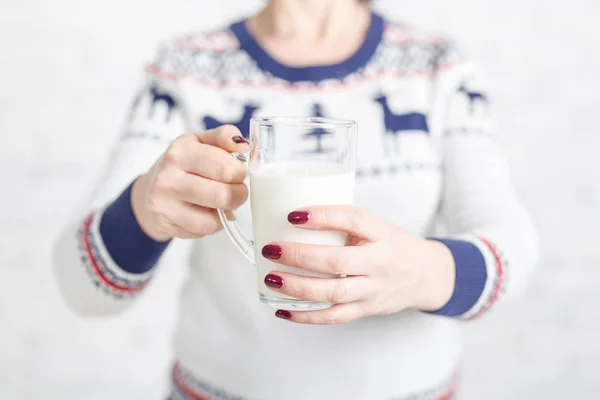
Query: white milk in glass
280, 188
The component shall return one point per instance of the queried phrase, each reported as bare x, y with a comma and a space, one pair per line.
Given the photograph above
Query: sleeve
102, 259
490, 235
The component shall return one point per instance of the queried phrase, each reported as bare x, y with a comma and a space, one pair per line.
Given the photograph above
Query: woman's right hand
179, 195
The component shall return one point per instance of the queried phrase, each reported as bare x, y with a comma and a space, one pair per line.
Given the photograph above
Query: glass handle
232, 227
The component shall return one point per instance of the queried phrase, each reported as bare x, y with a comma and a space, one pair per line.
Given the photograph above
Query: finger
322, 290
338, 314
334, 260
191, 155
208, 193
212, 163
183, 234
192, 220
226, 137
345, 218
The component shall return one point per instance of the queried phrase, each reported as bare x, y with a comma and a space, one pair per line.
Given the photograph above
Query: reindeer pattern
473, 97
382, 150
160, 97
242, 123
397, 124
155, 99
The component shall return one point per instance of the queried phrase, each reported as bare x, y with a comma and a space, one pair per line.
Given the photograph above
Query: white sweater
428, 158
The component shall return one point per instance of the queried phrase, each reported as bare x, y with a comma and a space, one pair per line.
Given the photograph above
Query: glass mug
293, 163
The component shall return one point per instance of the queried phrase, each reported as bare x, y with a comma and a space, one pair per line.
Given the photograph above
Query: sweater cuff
471, 277
129, 247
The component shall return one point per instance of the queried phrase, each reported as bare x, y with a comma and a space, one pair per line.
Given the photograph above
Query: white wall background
67, 70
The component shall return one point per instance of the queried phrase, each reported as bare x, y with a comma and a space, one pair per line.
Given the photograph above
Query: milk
280, 188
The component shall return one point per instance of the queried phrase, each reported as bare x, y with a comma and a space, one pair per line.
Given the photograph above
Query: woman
427, 159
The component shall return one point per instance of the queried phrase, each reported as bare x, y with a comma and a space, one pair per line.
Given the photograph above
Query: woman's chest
398, 172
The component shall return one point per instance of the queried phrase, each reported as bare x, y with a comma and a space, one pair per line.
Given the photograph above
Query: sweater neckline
315, 73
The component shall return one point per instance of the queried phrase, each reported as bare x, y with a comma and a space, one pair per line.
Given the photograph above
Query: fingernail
272, 252
274, 281
283, 314
239, 139
298, 217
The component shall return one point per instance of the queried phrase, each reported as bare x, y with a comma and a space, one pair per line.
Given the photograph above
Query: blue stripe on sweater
127, 244
471, 275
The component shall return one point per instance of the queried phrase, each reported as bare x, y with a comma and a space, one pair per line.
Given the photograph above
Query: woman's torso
226, 337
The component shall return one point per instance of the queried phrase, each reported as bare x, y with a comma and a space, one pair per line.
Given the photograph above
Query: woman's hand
193, 177
387, 268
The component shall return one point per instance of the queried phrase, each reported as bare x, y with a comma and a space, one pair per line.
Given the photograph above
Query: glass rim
308, 122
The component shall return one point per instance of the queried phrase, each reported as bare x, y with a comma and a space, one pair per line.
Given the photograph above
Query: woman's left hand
387, 268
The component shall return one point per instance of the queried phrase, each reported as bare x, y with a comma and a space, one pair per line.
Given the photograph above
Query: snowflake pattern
233, 65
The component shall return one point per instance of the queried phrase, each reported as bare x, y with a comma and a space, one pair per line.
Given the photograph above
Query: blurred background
68, 69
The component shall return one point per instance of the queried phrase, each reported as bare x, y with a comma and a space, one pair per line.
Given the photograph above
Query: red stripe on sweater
446, 396
179, 381
499, 280
449, 393
88, 249
331, 84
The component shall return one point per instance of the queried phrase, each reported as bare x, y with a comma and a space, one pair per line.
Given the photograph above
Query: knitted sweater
428, 161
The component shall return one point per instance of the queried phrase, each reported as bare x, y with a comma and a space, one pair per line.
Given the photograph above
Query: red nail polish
274, 281
271, 252
298, 217
239, 139
283, 314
